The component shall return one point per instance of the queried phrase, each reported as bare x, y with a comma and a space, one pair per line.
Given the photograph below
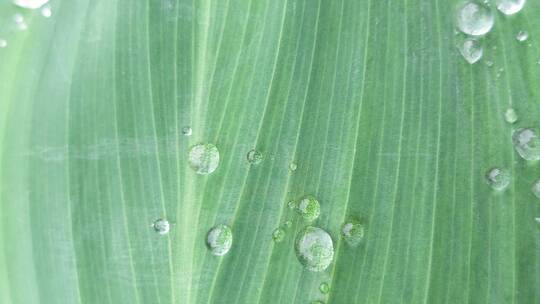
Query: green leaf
386, 124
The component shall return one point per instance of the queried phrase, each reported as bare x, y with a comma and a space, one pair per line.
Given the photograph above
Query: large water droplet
510, 116
471, 50
309, 208
498, 178
314, 248
161, 226
31, 4
204, 158
536, 188
352, 232
509, 7
278, 235
254, 157
522, 36
3, 43
219, 240
474, 19
324, 288
527, 143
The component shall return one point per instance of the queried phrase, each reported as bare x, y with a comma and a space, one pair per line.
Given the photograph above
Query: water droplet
324, 288
204, 158
522, 36
471, 50
161, 226
536, 188
288, 223
314, 248
254, 157
31, 4
474, 19
510, 116
510, 7
19, 22
278, 235
3, 43
293, 166
498, 178
537, 220
527, 143
489, 63
18, 18
353, 232
187, 131
46, 11
219, 240
291, 204
309, 208
317, 302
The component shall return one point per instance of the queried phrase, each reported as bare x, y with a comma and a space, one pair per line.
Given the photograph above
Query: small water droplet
489, 63
293, 166
219, 240
314, 248
291, 204
536, 188
537, 220
187, 131
522, 36
46, 11
527, 143
309, 208
317, 302
509, 7
288, 223
254, 157
19, 22
498, 178
474, 19
204, 158
30, 4
3, 43
510, 116
471, 50
324, 288
18, 18
278, 235
161, 226
352, 232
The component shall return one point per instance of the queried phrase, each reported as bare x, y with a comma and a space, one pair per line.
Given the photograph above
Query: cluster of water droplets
18, 19
475, 20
